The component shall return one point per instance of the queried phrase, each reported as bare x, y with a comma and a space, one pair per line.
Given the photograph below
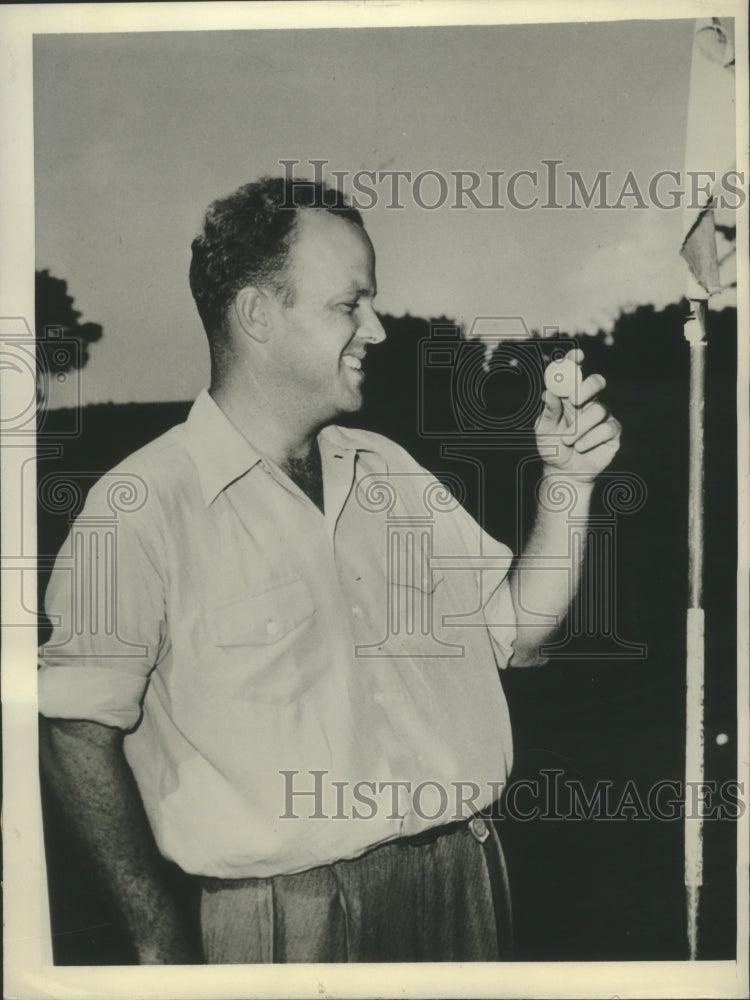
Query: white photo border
29, 971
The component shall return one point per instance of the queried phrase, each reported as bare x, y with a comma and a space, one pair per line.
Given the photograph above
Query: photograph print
386, 491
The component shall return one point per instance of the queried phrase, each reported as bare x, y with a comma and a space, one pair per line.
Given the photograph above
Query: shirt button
356, 611
272, 627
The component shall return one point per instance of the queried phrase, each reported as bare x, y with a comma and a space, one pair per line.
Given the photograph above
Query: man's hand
586, 436
578, 438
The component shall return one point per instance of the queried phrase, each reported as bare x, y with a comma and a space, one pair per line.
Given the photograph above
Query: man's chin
349, 404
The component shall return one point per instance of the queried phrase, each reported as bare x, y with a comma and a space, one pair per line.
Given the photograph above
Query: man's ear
251, 313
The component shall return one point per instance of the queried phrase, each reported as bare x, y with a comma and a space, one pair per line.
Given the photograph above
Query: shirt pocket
267, 644
262, 619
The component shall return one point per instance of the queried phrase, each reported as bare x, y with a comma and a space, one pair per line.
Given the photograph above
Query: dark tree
62, 341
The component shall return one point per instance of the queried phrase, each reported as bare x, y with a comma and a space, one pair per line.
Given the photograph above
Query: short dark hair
246, 240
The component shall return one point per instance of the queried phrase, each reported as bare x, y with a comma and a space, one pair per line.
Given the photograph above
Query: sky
135, 134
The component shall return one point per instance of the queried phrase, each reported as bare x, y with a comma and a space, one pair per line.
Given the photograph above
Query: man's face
320, 340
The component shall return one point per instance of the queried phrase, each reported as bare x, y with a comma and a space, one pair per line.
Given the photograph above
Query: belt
434, 834
478, 826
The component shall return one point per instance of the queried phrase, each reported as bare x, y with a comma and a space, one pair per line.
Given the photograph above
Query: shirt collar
342, 439
222, 454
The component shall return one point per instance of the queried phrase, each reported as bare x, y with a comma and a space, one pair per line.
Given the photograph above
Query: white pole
695, 334
709, 146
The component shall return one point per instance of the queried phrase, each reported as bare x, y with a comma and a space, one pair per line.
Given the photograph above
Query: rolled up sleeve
500, 616
106, 602
493, 583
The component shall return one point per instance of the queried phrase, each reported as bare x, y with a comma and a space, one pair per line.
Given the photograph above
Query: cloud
639, 263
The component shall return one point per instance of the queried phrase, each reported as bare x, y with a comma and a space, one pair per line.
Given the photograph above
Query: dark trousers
439, 897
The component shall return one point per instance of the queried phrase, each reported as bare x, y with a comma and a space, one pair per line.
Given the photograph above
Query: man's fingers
552, 407
584, 419
604, 433
589, 388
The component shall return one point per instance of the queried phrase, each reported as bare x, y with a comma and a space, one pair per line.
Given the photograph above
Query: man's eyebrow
355, 291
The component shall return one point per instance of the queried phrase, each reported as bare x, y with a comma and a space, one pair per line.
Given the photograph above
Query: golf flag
709, 154
710, 148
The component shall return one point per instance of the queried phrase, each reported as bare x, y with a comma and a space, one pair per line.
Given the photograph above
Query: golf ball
562, 377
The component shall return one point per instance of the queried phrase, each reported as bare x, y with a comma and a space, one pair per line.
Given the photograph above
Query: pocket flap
263, 618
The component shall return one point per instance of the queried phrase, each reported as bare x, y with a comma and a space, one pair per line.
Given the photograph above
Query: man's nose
372, 328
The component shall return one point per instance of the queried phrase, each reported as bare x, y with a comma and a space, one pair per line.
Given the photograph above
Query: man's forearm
85, 764
546, 577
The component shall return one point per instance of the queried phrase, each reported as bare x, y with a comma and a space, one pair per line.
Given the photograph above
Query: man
312, 631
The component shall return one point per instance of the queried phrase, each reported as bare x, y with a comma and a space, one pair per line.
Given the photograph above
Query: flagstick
710, 141
695, 334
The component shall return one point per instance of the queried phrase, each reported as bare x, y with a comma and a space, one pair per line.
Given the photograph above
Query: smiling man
304, 710
292, 360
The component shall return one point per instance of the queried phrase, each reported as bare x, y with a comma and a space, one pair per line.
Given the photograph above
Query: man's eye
350, 306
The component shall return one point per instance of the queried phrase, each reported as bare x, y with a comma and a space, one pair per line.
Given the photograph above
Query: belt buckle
479, 828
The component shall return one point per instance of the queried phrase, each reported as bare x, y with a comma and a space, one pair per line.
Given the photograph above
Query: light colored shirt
254, 648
